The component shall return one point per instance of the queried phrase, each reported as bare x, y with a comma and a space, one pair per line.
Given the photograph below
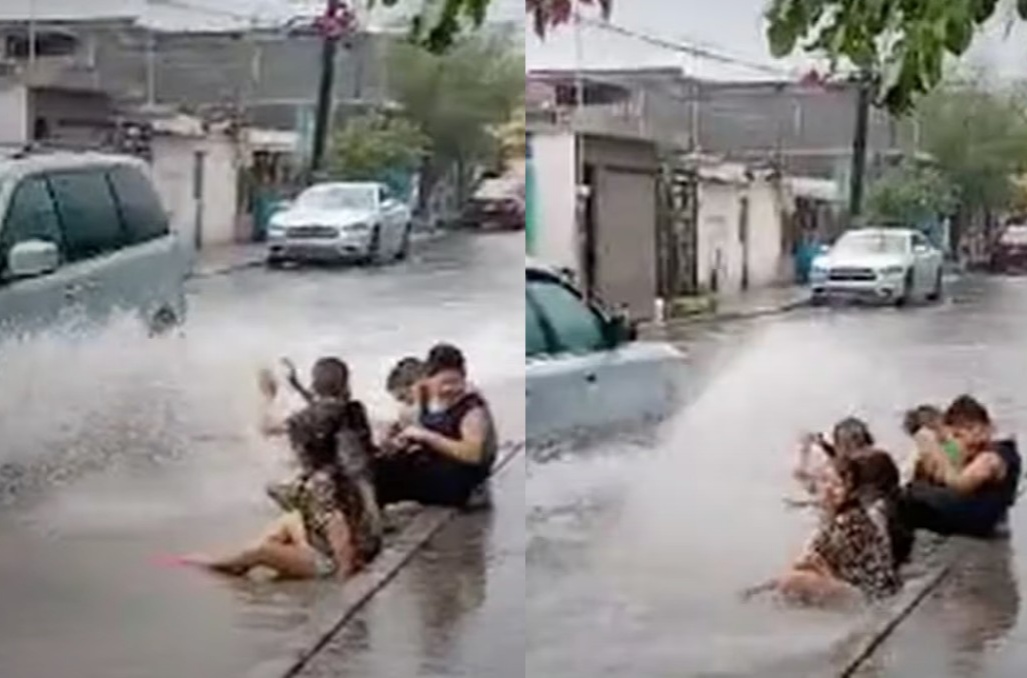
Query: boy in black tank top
974, 500
448, 453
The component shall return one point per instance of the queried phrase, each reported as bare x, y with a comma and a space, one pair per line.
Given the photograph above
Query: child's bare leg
287, 529
289, 561
809, 587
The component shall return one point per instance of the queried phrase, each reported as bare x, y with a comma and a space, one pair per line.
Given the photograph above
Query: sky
213, 14
732, 27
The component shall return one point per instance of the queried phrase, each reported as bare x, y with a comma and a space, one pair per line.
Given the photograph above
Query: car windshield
337, 197
872, 242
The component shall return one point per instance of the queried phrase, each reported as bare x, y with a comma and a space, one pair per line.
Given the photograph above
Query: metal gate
676, 233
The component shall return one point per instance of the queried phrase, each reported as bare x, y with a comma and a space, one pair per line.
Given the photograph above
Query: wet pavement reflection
456, 610
637, 549
119, 450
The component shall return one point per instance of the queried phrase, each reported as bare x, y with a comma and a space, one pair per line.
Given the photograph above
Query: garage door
626, 240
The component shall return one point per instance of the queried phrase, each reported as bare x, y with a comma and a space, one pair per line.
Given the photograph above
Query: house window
48, 44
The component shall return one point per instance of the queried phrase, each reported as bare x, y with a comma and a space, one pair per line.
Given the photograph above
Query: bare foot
219, 565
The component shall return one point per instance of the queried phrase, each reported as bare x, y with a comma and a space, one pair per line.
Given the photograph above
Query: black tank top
991, 502
448, 422
1006, 490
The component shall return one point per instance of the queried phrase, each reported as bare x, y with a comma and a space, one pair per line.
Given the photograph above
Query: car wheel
404, 248
162, 322
907, 290
936, 293
374, 247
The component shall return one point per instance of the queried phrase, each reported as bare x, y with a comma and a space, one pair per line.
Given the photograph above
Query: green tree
910, 194
902, 43
457, 98
368, 147
978, 139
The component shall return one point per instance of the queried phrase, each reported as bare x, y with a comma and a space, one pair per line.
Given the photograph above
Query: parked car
890, 265
1010, 252
85, 235
341, 221
498, 204
585, 368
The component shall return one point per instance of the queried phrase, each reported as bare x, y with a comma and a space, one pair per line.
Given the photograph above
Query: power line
691, 50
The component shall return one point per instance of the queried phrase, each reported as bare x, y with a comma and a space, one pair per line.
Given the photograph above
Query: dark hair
330, 378
315, 433
405, 374
967, 411
877, 476
872, 477
852, 432
920, 417
445, 357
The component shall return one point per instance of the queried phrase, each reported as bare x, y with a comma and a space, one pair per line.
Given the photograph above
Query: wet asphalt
638, 547
119, 451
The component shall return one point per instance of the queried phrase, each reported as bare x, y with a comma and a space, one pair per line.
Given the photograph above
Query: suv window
30, 216
88, 214
920, 241
142, 214
577, 328
535, 343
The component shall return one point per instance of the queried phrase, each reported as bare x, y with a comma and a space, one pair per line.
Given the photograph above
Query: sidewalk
765, 301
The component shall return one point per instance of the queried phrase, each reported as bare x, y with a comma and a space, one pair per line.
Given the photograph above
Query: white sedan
890, 265
360, 221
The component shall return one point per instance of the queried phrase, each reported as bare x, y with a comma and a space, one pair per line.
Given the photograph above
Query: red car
1009, 254
498, 204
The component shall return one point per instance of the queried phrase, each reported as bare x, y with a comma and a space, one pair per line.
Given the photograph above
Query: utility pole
859, 148
337, 19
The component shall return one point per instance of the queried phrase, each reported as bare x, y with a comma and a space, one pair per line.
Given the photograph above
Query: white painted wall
553, 158
717, 245
719, 232
14, 115
173, 166
766, 260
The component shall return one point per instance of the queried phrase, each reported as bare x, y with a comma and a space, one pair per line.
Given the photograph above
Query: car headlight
276, 230
819, 271
357, 228
893, 270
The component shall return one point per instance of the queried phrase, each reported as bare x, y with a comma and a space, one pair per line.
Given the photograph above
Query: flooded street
120, 450
639, 547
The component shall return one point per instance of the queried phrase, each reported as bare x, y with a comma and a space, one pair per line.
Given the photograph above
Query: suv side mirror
33, 258
620, 330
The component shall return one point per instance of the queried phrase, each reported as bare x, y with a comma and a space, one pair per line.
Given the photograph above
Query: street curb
358, 591
258, 260
706, 318
880, 629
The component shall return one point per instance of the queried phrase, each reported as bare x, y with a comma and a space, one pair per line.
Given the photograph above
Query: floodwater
639, 547
118, 450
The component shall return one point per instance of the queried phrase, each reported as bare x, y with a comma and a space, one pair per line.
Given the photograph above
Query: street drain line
879, 632
357, 592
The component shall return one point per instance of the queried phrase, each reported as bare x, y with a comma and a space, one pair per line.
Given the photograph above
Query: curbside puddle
326, 620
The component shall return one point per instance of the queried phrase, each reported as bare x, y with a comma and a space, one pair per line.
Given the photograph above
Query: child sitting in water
848, 558
926, 425
405, 385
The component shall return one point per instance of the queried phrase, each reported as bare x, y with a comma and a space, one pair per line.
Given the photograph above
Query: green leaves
371, 146
910, 194
904, 41
459, 96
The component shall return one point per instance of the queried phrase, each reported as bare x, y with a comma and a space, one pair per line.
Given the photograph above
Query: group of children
438, 451
961, 481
